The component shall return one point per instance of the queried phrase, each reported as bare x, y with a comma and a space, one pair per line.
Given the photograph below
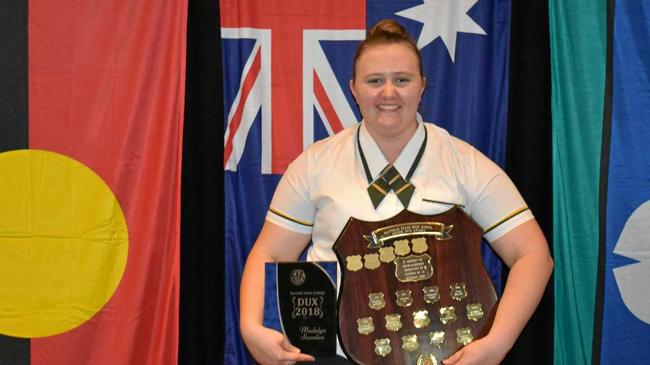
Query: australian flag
286, 67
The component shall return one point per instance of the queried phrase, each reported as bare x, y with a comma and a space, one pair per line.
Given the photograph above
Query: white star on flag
444, 19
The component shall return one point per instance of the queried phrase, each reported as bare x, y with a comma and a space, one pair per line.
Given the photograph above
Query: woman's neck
392, 144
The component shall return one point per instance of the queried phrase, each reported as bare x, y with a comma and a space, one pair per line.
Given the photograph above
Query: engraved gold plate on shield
365, 325
431, 294
474, 311
427, 359
458, 291
410, 343
437, 339
382, 347
378, 237
403, 298
376, 301
464, 335
393, 322
447, 315
413, 268
421, 318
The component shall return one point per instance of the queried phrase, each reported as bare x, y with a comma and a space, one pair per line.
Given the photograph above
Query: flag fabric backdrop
286, 66
148, 37
578, 76
602, 183
623, 315
106, 88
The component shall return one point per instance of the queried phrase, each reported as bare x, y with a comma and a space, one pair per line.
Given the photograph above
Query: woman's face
388, 87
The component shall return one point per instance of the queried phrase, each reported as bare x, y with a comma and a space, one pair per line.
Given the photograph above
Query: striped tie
388, 179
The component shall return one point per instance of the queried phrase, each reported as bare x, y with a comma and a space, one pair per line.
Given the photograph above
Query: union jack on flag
286, 75
286, 67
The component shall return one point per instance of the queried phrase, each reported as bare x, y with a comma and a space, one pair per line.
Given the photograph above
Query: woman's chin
391, 125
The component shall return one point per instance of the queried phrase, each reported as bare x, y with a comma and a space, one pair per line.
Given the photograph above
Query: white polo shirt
326, 185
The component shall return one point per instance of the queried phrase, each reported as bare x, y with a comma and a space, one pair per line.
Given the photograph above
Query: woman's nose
388, 89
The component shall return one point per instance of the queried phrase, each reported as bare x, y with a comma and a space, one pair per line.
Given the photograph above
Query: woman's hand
270, 347
266, 345
483, 351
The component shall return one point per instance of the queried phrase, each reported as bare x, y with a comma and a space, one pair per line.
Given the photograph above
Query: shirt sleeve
494, 201
291, 206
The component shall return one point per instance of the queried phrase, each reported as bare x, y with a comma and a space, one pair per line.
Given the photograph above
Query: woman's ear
424, 85
352, 90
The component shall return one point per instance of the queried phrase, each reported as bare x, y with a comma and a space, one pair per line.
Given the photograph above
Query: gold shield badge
447, 315
353, 263
410, 343
376, 301
387, 254
421, 318
382, 347
437, 339
464, 335
403, 298
431, 294
402, 247
393, 322
420, 245
371, 261
365, 325
427, 359
474, 311
458, 291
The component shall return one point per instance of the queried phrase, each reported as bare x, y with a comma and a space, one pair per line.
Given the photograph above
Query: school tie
388, 179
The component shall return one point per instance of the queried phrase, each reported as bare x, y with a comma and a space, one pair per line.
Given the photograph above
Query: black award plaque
300, 301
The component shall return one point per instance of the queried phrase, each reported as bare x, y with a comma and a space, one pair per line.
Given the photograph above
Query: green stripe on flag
578, 45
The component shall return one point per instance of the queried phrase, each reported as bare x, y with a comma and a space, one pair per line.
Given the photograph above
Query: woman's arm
525, 251
274, 244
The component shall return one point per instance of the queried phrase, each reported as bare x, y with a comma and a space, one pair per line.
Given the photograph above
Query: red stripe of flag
247, 86
326, 105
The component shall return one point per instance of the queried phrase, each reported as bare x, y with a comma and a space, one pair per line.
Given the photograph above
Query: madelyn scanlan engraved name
308, 333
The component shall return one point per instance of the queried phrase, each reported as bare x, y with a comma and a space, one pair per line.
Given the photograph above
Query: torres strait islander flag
91, 116
601, 181
286, 67
623, 316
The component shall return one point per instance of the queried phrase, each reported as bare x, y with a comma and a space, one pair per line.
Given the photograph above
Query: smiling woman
388, 85
390, 162
388, 88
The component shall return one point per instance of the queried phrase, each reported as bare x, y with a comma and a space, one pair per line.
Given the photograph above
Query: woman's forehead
388, 55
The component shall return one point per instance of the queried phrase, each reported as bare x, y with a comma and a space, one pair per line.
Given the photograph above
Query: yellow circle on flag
63, 243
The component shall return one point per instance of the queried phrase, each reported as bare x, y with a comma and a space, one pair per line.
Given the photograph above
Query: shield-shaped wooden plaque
413, 288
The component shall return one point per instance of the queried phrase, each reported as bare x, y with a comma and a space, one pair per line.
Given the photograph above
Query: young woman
328, 183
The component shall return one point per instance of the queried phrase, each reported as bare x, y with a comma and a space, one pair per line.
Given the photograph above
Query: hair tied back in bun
386, 31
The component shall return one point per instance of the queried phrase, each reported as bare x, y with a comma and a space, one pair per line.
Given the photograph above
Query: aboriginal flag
91, 117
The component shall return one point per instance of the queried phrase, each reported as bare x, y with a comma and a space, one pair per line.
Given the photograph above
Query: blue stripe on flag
626, 306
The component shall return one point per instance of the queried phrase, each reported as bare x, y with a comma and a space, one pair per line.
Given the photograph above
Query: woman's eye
401, 80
